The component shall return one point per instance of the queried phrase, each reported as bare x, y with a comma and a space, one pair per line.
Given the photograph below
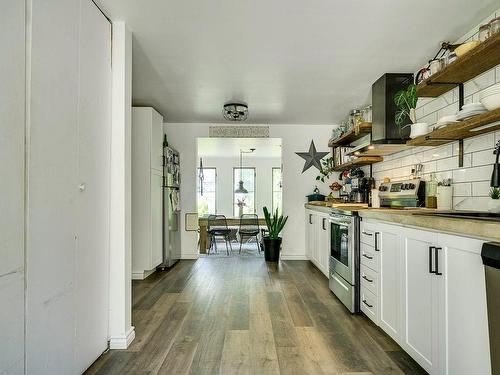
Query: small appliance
402, 194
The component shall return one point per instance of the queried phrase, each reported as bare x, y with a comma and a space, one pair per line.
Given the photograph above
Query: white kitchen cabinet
389, 257
318, 240
147, 191
463, 322
420, 305
432, 296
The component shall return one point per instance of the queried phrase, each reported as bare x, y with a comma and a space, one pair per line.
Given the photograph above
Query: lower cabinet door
463, 322
324, 244
369, 304
420, 305
388, 251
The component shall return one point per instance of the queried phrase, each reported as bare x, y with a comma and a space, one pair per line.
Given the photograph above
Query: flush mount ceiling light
235, 111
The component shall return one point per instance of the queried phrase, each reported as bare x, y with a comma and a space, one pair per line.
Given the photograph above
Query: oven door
342, 247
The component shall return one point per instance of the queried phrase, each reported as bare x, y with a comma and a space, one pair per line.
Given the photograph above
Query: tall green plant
406, 102
275, 224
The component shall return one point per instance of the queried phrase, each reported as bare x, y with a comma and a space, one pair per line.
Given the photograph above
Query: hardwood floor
239, 315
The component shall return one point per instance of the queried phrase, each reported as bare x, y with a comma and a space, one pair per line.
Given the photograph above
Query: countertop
482, 229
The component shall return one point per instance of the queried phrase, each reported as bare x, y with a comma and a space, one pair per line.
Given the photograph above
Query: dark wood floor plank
229, 315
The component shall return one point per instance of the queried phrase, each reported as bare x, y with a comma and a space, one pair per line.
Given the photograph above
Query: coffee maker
361, 188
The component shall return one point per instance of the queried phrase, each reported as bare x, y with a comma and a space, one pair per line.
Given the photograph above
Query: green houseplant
406, 103
494, 203
272, 242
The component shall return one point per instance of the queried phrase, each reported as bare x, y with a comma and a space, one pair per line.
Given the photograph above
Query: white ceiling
292, 61
230, 147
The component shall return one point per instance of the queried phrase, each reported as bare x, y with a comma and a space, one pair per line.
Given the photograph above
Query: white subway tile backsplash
481, 189
440, 152
452, 163
429, 167
462, 190
448, 110
480, 82
479, 143
472, 174
485, 157
430, 118
472, 203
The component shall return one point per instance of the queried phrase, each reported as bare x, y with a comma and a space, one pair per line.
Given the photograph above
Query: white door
94, 134
387, 246
52, 188
463, 321
420, 305
156, 218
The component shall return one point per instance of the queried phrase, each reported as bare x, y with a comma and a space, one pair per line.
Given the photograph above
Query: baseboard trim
293, 257
122, 341
190, 256
141, 275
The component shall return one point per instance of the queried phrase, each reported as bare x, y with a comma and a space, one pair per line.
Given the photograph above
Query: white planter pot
494, 205
418, 129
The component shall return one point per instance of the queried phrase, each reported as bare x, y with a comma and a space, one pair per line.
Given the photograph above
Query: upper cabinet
147, 135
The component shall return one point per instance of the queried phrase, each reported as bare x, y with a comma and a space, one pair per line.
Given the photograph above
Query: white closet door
53, 104
94, 132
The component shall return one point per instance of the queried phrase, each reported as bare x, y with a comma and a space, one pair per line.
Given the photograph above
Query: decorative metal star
312, 158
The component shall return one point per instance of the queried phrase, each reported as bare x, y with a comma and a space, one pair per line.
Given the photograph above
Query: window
207, 201
244, 200
277, 190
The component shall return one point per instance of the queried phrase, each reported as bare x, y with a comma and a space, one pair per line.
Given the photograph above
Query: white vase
494, 205
418, 129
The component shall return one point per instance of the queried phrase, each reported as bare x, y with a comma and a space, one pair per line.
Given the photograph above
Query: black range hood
386, 136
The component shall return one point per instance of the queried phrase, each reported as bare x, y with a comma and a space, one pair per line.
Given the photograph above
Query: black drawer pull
367, 304
430, 259
367, 234
367, 279
367, 256
376, 241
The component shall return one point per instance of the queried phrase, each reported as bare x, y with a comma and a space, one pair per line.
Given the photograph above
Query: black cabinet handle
430, 259
367, 256
367, 279
376, 241
323, 225
436, 257
367, 234
310, 218
366, 303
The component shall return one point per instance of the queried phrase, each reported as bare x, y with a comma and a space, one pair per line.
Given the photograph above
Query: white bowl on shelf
491, 102
418, 129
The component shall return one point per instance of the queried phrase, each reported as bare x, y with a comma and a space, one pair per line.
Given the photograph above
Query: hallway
239, 315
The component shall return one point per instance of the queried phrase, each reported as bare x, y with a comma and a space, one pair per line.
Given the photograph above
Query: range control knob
411, 186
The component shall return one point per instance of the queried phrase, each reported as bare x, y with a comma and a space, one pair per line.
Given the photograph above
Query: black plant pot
272, 249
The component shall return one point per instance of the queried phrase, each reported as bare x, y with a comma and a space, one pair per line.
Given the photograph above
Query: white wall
296, 185
472, 181
12, 132
225, 186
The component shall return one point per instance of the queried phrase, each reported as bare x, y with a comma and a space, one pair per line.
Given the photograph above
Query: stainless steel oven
344, 258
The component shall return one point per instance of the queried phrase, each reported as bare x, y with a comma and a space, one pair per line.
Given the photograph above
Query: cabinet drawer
370, 257
369, 305
368, 233
369, 279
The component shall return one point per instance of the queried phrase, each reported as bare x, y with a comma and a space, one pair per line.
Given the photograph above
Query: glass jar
366, 113
484, 32
494, 26
355, 118
435, 66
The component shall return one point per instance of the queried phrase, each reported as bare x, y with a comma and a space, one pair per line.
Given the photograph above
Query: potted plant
272, 242
494, 203
406, 102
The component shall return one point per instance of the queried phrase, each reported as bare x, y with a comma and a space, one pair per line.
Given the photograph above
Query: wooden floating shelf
362, 160
351, 136
480, 124
473, 63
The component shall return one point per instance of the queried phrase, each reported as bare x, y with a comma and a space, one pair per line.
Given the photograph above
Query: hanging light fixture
235, 111
241, 189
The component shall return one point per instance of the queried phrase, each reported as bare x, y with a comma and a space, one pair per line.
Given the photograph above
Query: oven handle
338, 222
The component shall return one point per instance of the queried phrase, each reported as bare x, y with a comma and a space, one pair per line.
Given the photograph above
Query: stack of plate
469, 110
490, 97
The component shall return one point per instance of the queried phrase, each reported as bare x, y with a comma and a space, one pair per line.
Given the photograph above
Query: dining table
232, 222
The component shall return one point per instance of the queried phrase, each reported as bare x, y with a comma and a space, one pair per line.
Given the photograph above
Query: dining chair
217, 227
249, 228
